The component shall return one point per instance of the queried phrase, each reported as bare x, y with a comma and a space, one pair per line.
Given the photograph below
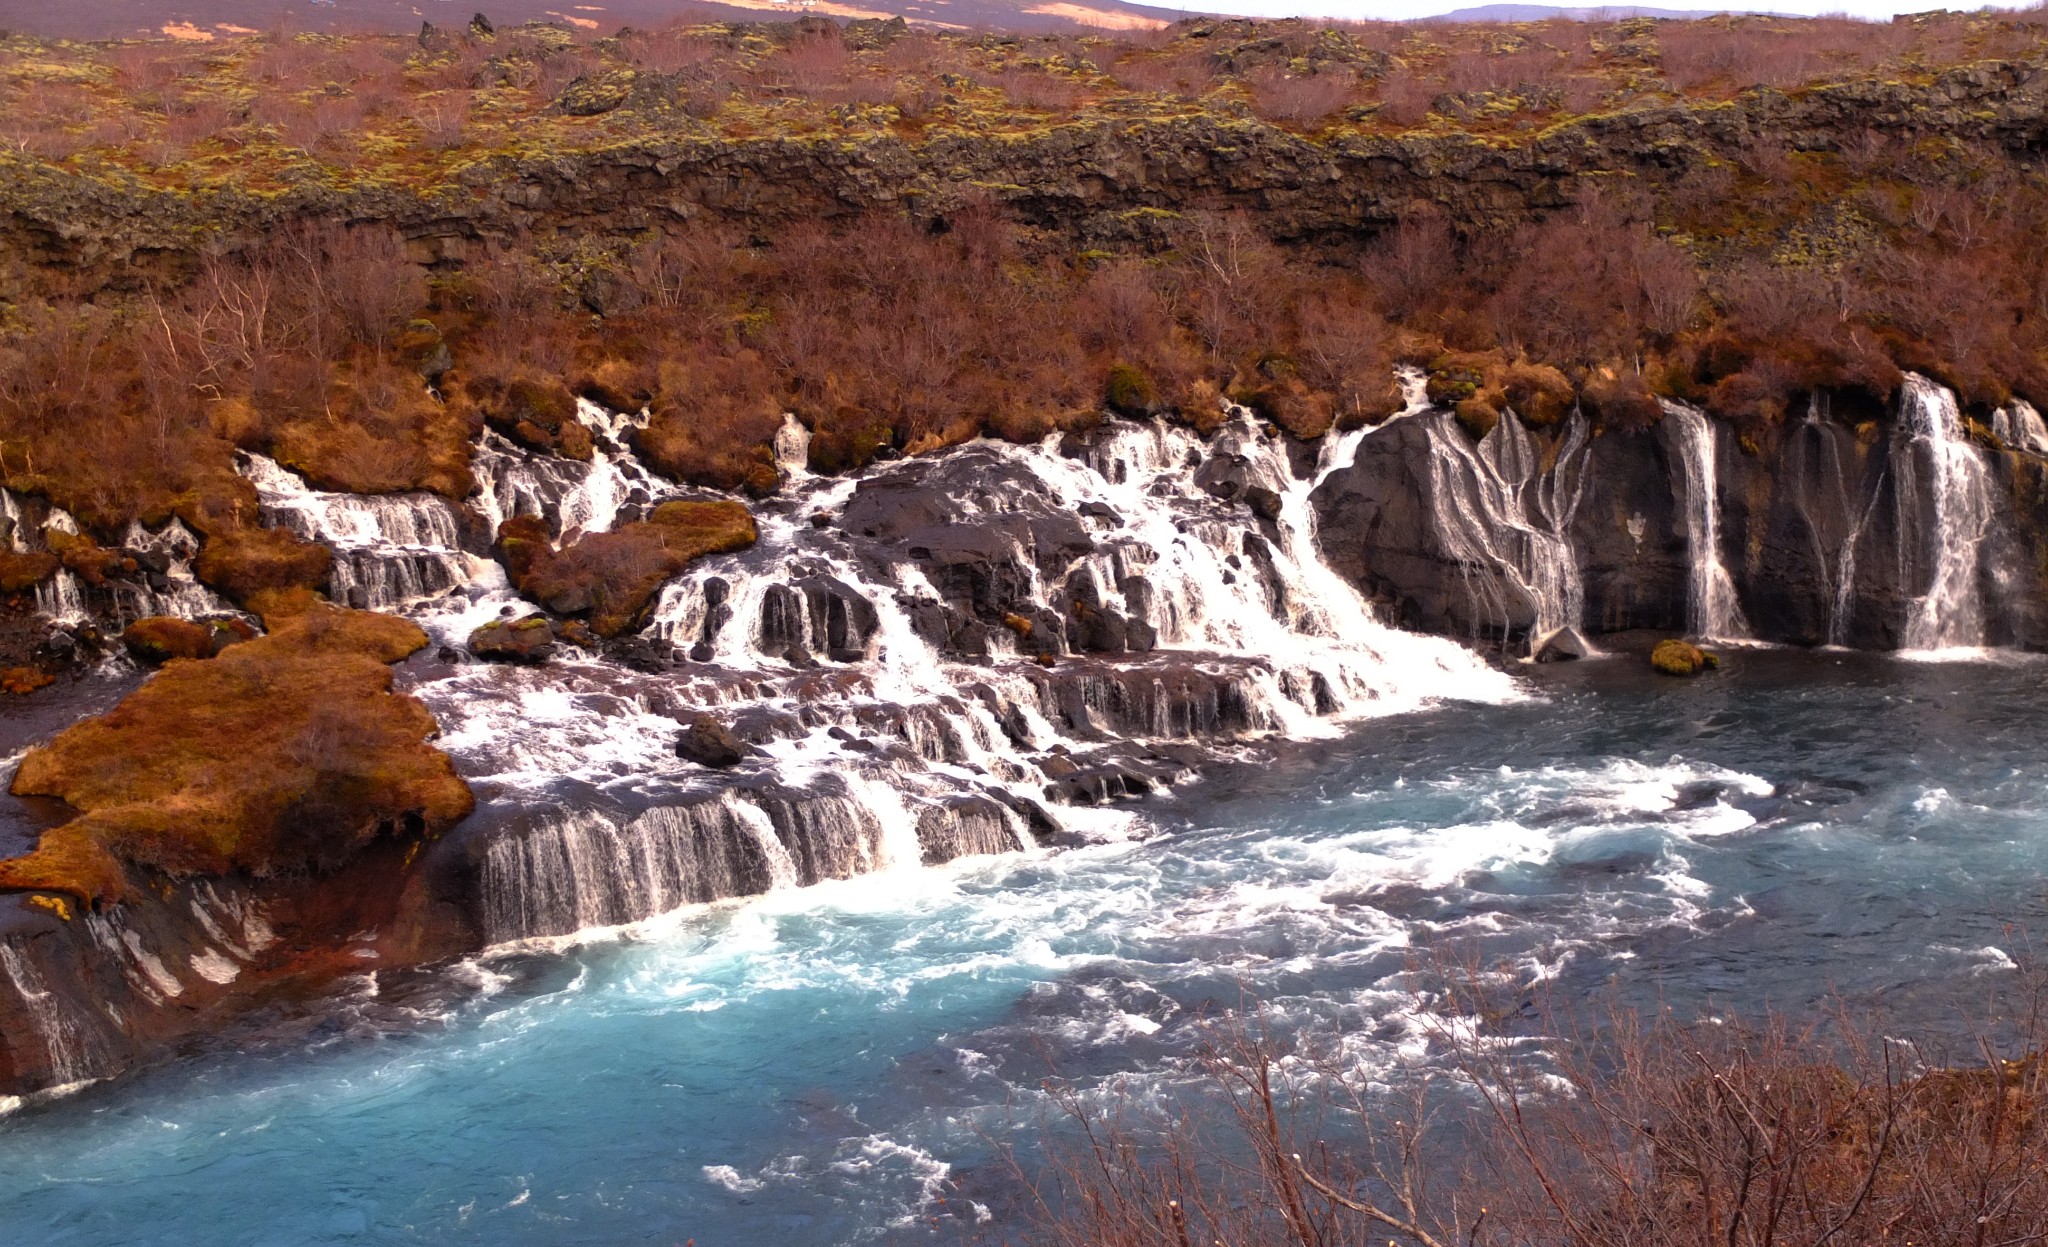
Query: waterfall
65, 1041
1950, 615
2019, 426
1507, 522
390, 550
570, 494
584, 868
1712, 612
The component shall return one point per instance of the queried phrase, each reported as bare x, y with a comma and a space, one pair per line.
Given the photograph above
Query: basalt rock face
1083, 177
1885, 533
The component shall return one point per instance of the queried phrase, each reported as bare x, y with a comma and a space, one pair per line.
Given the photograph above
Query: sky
1396, 9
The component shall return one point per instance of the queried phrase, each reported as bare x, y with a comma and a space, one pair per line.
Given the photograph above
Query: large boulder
707, 742
244, 562
528, 640
160, 638
287, 754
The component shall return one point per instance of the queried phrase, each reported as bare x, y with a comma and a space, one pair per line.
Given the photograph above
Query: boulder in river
1681, 658
528, 640
707, 742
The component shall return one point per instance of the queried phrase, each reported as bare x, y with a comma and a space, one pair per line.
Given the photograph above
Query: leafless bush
442, 118
1036, 89
1303, 99
1627, 1130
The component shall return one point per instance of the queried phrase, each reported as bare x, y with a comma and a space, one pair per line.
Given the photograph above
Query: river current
839, 1064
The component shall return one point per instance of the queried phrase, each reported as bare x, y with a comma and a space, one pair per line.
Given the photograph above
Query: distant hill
1544, 12
203, 19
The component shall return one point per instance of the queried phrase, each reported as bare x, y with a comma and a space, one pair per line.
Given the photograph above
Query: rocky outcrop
1830, 532
1094, 179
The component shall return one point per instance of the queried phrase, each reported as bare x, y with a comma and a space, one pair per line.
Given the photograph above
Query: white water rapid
873, 748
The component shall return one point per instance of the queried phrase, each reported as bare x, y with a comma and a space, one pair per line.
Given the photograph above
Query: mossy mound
1681, 658
528, 640
610, 578
537, 413
81, 554
160, 638
287, 753
25, 571
247, 561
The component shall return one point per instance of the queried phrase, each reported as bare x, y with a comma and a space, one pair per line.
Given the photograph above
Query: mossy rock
1681, 658
528, 640
289, 753
160, 638
1541, 395
247, 561
1620, 399
536, 413
81, 554
1130, 391
1479, 414
595, 94
25, 571
611, 578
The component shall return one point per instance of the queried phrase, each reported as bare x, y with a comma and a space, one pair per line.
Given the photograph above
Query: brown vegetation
610, 578
1641, 1131
286, 753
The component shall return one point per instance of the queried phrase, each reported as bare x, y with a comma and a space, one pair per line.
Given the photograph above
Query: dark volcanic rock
528, 640
708, 742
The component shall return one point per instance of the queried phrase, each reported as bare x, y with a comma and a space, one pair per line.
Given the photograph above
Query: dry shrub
1760, 52
1188, 75
1592, 1132
442, 119
1036, 89
1302, 99
1405, 98
811, 63
670, 51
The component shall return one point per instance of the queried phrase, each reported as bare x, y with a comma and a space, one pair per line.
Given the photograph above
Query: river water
836, 1064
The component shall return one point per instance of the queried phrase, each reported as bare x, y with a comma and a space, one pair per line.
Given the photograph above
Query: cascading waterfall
390, 551
1712, 611
2019, 426
911, 756
1839, 564
1507, 521
1950, 615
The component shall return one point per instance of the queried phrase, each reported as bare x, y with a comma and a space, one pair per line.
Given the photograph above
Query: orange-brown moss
25, 571
610, 578
160, 638
80, 553
247, 561
21, 681
287, 753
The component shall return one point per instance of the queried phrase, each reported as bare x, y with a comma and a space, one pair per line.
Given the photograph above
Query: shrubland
1749, 277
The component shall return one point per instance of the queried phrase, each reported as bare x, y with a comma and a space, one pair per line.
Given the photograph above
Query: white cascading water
2019, 426
1302, 647
1507, 521
1712, 611
61, 599
390, 551
1950, 615
1839, 564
